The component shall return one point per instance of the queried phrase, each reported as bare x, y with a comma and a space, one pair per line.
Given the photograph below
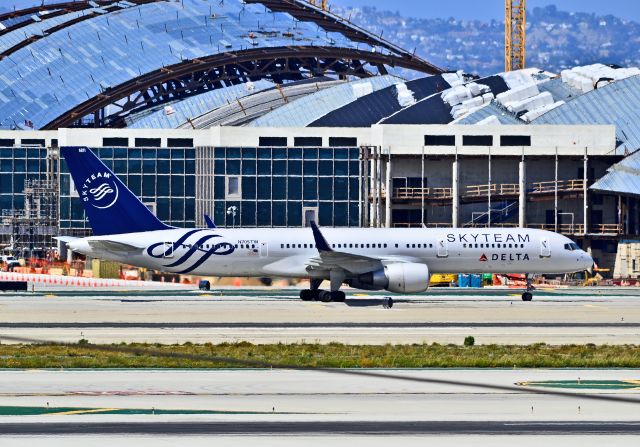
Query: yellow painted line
95, 410
636, 382
360, 294
514, 294
50, 295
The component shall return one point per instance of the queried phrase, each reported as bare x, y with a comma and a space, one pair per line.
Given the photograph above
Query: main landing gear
315, 294
527, 295
322, 295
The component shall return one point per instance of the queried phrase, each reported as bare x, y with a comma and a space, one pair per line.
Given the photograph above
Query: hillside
556, 39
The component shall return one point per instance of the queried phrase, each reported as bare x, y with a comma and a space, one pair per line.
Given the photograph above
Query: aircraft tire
306, 295
325, 296
338, 297
527, 296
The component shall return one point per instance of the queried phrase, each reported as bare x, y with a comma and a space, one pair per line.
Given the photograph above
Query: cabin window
385, 245
430, 245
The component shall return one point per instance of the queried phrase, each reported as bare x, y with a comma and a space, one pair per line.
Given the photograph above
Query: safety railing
563, 186
420, 193
497, 189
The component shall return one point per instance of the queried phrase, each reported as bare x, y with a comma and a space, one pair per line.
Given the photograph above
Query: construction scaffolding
29, 232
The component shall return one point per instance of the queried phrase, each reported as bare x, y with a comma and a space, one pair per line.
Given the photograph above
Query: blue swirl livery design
192, 254
100, 190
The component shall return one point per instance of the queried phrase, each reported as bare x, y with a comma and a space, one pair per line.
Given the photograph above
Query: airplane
398, 260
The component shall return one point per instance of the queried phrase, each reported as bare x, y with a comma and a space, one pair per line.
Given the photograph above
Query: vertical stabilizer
110, 206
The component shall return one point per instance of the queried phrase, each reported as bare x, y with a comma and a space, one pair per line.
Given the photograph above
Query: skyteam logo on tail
100, 190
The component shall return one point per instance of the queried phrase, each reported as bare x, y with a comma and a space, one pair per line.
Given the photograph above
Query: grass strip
333, 355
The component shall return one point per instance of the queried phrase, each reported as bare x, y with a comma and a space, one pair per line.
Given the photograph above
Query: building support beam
522, 198
388, 192
555, 195
585, 193
455, 193
374, 187
422, 185
365, 151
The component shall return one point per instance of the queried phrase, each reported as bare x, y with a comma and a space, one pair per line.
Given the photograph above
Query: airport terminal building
275, 113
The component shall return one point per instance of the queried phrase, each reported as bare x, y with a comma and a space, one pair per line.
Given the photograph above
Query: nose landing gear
527, 295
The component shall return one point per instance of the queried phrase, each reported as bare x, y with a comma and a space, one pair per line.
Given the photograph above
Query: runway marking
71, 411
94, 410
586, 384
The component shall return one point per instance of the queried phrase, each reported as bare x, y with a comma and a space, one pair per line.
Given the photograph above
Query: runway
277, 315
310, 404
314, 428
286, 407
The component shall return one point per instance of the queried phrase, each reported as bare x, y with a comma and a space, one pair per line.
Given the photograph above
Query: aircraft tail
110, 206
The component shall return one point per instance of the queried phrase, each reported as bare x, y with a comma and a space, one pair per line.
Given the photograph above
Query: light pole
232, 211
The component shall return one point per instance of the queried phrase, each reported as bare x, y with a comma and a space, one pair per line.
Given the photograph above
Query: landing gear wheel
338, 297
325, 296
307, 295
527, 296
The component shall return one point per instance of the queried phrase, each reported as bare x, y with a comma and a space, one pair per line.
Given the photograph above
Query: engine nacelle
397, 278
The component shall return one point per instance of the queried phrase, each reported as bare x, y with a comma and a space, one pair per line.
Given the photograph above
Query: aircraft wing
329, 259
356, 264
113, 246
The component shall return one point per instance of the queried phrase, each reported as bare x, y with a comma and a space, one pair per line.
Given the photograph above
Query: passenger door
443, 248
545, 248
264, 249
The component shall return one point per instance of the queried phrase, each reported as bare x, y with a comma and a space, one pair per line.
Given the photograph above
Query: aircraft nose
587, 262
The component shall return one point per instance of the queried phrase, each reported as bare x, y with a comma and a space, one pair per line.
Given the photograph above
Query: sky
494, 9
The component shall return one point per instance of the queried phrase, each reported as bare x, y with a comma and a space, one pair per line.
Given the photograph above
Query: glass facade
18, 164
164, 179
279, 186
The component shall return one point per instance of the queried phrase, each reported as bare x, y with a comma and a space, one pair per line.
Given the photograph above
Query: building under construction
287, 113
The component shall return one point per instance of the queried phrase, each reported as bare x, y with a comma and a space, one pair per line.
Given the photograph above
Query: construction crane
515, 34
323, 3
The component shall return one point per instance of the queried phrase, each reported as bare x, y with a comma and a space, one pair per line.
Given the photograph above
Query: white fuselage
287, 252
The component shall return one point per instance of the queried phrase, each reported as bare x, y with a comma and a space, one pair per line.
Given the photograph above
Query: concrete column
389, 192
489, 180
374, 185
366, 183
381, 182
522, 198
585, 192
422, 186
455, 193
637, 217
555, 195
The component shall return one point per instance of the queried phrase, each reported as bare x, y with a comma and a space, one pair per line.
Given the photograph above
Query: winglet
321, 242
209, 222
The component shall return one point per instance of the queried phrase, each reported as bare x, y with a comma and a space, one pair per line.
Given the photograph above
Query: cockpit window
571, 247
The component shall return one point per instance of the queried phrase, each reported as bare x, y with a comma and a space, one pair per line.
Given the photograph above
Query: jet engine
397, 278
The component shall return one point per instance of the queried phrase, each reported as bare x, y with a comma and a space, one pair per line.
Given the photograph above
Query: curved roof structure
96, 62
304, 111
173, 115
616, 103
254, 106
370, 109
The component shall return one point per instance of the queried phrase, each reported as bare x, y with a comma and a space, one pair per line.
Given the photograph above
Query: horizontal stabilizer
113, 246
